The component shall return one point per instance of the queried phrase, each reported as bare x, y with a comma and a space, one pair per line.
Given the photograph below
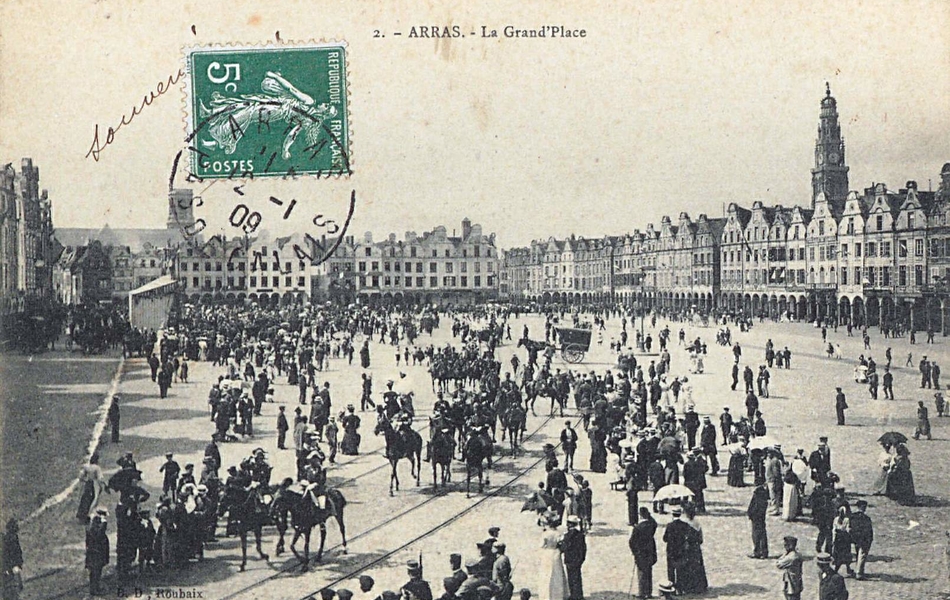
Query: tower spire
830, 174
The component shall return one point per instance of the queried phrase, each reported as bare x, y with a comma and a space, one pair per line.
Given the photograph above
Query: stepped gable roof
743, 214
716, 226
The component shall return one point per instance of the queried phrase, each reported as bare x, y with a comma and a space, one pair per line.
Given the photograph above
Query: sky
663, 107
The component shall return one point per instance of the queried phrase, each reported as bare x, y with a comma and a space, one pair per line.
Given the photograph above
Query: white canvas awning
150, 305
156, 285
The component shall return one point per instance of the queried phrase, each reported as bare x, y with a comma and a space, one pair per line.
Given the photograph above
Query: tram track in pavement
72, 592
444, 492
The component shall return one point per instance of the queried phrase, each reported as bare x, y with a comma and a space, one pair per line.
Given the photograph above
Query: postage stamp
268, 111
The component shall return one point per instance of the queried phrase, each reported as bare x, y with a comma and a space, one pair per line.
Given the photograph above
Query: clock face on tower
833, 157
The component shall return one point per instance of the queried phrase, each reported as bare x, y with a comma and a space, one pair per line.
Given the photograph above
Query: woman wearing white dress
884, 465
552, 579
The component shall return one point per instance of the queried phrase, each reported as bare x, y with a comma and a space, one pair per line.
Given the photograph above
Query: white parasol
674, 491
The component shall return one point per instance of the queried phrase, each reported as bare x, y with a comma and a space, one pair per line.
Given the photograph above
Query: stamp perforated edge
187, 91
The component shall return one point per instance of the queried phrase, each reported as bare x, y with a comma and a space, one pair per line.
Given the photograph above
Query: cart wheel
572, 353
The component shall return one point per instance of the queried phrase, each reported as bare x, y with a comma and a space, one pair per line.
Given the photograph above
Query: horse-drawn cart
574, 343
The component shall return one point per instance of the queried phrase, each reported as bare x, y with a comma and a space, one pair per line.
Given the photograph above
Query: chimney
368, 237
466, 228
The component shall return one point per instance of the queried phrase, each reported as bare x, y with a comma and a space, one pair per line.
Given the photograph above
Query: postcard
481, 299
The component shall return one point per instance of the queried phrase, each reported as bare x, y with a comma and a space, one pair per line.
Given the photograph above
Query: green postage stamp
268, 111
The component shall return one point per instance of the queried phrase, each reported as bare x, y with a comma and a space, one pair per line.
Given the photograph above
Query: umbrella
762, 442
800, 468
892, 437
537, 502
674, 491
668, 445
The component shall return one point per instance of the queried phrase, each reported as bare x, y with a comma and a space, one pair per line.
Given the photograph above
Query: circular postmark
265, 126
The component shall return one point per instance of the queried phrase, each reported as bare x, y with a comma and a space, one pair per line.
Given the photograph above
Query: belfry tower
181, 214
830, 174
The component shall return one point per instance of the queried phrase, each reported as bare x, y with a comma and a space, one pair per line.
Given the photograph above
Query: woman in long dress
791, 501
841, 542
900, 480
91, 480
598, 449
884, 468
552, 579
695, 581
737, 461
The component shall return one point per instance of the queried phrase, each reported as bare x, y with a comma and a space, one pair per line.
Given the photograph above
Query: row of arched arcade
263, 298
920, 314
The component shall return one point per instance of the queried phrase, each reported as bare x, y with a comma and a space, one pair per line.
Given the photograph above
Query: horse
513, 421
306, 513
442, 449
401, 444
248, 510
531, 345
478, 449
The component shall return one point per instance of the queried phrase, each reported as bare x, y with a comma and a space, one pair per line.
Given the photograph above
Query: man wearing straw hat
831, 585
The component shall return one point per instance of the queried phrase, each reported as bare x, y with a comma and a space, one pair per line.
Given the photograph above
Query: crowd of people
639, 418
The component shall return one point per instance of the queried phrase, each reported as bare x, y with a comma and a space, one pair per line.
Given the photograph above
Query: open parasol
538, 502
892, 438
762, 442
674, 491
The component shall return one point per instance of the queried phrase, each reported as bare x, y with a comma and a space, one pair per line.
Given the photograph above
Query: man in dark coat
282, 427
888, 382
924, 373
153, 364
259, 392
676, 536
819, 461
97, 550
748, 377
568, 444
841, 404
643, 547
758, 508
417, 586
170, 471
694, 477
633, 500
751, 405
113, 416
862, 534
574, 550
725, 424
691, 423
707, 444
831, 585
